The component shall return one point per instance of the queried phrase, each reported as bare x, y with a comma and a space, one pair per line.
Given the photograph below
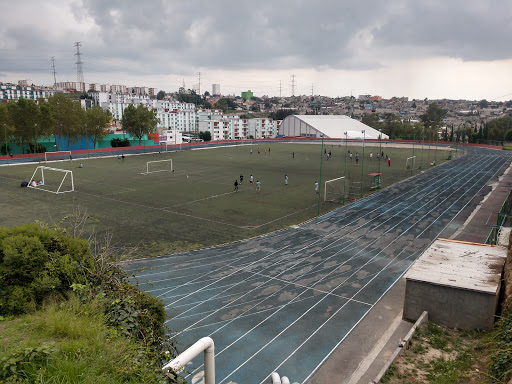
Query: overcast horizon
435, 49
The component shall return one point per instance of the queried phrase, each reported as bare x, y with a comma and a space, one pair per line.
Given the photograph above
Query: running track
284, 302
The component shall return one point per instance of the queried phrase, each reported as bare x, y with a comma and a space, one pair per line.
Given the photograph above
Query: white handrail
276, 379
205, 345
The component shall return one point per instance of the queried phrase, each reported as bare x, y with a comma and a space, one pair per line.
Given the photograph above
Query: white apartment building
263, 128
15, 92
222, 127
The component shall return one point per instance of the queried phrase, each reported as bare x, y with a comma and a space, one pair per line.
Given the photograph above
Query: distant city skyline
434, 50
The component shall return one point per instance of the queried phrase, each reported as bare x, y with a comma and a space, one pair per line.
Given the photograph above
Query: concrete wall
451, 307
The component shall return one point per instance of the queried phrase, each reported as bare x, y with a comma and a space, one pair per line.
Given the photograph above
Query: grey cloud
173, 37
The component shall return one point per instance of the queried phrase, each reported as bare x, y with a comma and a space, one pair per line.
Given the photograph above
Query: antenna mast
79, 70
54, 77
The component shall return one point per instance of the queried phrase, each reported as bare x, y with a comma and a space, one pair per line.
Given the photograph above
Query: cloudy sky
458, 49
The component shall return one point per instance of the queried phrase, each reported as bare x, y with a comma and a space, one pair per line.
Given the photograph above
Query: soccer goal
158, 166
335, 189
409, 163
57, 156
52, 180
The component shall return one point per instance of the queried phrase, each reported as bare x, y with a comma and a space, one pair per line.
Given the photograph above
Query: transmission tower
54, 77
79, 70
293, 85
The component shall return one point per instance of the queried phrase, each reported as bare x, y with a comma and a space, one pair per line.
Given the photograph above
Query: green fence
503, 220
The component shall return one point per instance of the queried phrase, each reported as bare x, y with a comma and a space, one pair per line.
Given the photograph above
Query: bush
4, 150
116, 142
36, 263
39, 149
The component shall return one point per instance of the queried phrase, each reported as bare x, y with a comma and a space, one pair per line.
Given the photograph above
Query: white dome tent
330, 126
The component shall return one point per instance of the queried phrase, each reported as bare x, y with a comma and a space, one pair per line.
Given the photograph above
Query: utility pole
293, 85
54, 77
196, 133
79, 69
279, 88
311, 89
199, 79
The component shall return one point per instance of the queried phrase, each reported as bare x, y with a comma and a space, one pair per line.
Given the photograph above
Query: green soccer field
195, 206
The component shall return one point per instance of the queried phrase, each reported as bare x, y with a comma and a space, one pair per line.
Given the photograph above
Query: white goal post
58, 156
158, 166
53, 180
334, 189
409, 163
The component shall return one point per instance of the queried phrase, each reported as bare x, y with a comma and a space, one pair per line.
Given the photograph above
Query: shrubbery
41, 265
116, 142
36, 263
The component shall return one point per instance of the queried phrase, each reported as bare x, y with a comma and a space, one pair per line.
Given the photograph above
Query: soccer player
285, 179
251, 179
236, 186
316, 187
241, 179
258, 185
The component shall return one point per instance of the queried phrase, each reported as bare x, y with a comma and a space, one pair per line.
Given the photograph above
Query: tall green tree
371, 119
434, 116
160, 95
24, 116
68, 119
139, 121
97, 120
6, 130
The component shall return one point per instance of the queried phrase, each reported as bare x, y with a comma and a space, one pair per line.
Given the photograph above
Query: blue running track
284, 302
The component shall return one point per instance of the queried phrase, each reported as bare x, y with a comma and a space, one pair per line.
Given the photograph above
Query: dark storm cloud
154, 37
468, 30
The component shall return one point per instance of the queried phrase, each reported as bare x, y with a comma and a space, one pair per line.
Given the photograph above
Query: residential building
15, 92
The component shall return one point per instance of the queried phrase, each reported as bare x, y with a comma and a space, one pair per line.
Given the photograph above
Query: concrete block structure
458, 284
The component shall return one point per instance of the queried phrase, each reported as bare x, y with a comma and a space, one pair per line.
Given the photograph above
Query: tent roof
335, 126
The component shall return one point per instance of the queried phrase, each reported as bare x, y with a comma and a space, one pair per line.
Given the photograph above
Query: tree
483, 104
206, 135
280, 114
434, 116
68, 118
371, 120
160, 95
24, 116
139, 121
97, 120
225, 104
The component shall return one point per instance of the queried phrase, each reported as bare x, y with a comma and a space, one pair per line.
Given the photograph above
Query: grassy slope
84, 349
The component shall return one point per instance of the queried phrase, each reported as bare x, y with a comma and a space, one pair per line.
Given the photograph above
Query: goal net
57, 156
52, 180
409, 163
158, 166
335, 189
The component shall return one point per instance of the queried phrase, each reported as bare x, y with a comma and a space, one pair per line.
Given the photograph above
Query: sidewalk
368, 347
